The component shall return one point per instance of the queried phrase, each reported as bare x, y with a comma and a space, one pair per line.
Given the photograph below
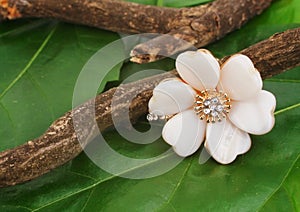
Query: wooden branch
199, 25
118, 16
59, 143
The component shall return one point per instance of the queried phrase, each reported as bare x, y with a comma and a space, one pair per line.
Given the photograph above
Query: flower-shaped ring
219, 104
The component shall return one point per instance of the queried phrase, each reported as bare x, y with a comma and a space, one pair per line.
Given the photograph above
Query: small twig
59, 143
199, 25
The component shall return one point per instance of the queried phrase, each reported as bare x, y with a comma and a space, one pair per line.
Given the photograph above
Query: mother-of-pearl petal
225, 142
239, 78
170, 97
185, 132
199, 69
256, 115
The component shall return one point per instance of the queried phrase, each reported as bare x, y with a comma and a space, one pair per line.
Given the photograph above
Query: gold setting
212, 105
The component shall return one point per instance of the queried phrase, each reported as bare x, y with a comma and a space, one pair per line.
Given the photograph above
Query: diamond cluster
212, 105
156, 117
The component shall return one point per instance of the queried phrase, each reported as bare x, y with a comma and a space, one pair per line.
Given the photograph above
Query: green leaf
249, 184
286, 197
40, 62
264, 179
179, 3
172, 3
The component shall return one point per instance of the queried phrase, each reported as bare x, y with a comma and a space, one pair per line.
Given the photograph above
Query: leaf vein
102, 181
88, 199
287, 108
8, 114
83, 175
283, 80
291, 200
177, 186
32, 60
19, 206
25, 27
281, 183
43, 94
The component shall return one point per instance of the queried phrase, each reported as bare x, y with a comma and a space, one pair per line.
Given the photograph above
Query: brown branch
59, 143
119, 16
199, 25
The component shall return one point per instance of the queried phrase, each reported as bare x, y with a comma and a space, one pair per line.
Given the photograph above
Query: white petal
170, 97
185, 132
199, 69
256, 115
225, 142
239, 78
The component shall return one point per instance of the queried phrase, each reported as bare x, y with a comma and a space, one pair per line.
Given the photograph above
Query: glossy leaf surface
40, 61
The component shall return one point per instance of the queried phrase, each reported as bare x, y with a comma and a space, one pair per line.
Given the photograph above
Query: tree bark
199, 25
118, 16
59, 143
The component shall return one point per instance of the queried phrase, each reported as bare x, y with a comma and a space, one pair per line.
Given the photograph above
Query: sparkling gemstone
158, 117
212, 105
149, 117
215, 100
206, 111
206, 102
220, 108
152, 117
162, 117
214, 113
